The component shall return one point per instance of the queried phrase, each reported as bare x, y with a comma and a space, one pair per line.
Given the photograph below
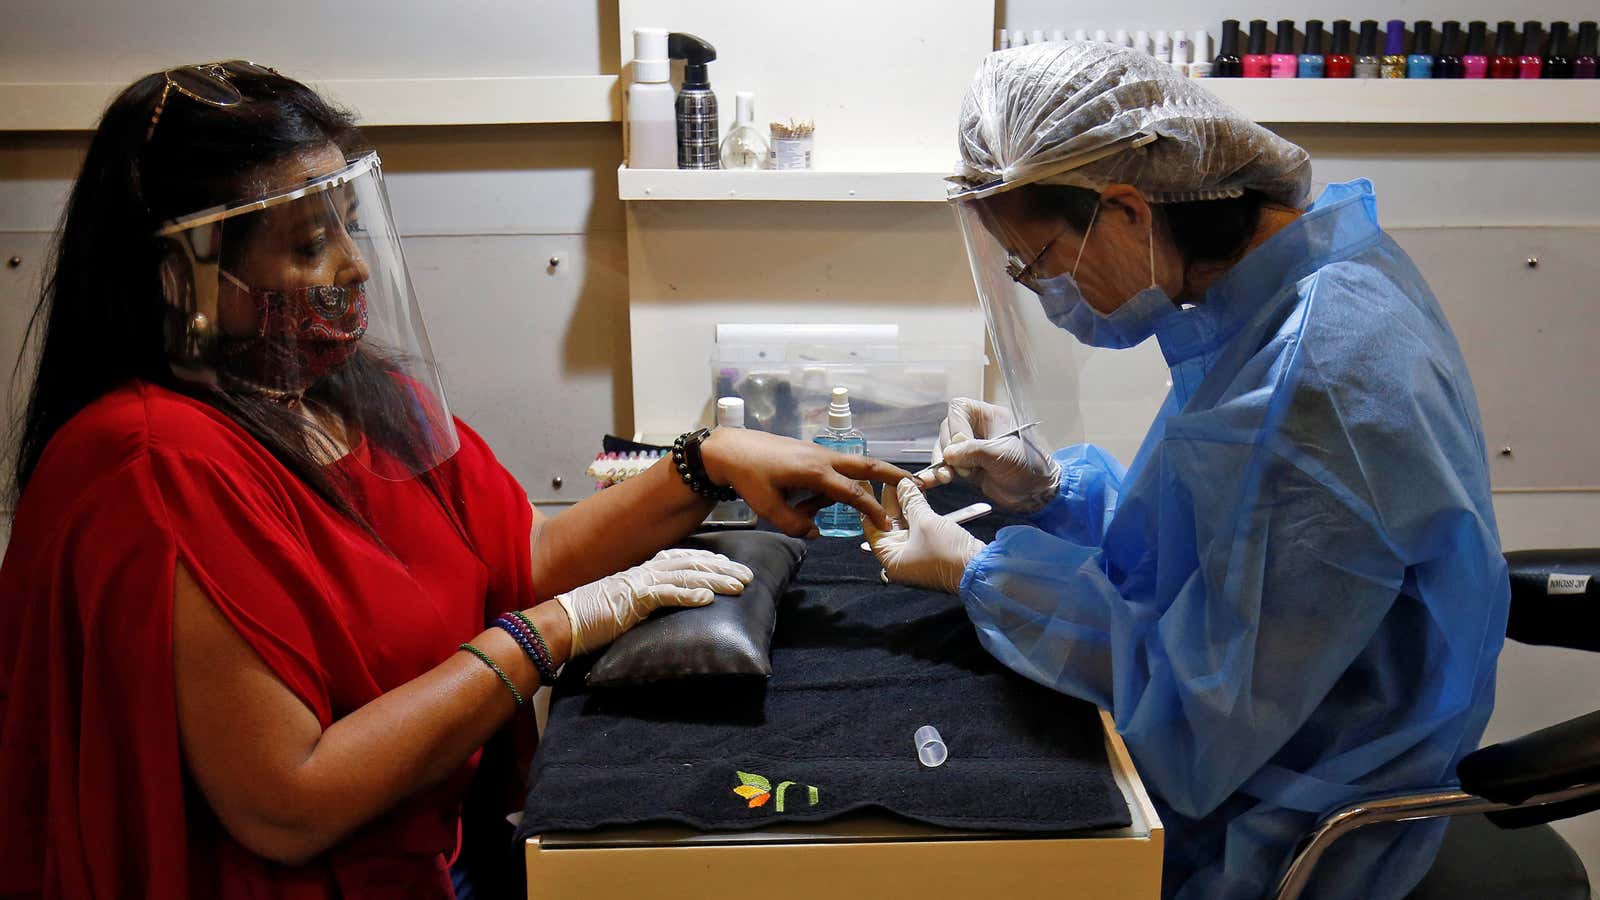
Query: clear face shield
303, 298
1074, 391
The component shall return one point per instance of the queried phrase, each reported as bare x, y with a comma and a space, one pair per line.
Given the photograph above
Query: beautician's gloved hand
602, 610
1014, 472
929, 550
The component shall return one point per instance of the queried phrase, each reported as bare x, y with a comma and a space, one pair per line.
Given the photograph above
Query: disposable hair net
1036, 110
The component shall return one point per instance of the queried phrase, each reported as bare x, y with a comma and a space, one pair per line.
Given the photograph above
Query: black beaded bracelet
691, 468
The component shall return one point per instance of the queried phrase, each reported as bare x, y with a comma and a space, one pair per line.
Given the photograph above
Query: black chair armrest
1555, 598
1550, 759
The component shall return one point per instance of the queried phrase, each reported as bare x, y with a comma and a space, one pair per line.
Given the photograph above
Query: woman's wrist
689, 461
713, 455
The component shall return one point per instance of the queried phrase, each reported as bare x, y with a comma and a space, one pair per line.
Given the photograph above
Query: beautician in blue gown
1293, 596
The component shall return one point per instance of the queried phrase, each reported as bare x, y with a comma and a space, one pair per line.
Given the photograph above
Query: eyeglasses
1025, 274
208, 83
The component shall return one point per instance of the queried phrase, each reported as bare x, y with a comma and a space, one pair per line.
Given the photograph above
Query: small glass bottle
1394, 50
1448, 63
1339, 62
1312, 62
1257, 62
1284, 62
744, 147
840, 520
1475, 61
1504, 62
1557, 64
1587, 63
1368, 64
1531, 63
1228, 64
1420, 63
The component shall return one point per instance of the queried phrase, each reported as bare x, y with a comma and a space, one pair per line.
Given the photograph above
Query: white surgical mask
1128, 325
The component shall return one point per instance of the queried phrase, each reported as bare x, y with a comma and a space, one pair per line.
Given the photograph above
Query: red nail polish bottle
1504, 62
1340, 64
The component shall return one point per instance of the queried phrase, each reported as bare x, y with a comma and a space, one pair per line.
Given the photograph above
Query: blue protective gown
1295, 596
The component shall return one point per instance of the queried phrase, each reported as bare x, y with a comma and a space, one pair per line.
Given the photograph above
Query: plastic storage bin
898, 392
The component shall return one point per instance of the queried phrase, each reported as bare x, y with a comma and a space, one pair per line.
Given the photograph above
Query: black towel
857, 666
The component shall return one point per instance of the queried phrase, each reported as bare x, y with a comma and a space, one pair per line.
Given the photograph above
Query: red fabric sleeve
496, 514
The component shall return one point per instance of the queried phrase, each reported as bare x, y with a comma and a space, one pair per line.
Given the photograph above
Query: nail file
961, 517
928, 477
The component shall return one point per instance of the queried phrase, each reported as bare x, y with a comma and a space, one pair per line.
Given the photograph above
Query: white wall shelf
76, 106
717, 184
1433, 102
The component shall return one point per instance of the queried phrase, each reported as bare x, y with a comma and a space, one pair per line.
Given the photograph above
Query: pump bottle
649, 135
840, 520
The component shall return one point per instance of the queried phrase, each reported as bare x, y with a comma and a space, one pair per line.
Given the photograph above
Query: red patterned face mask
301, 336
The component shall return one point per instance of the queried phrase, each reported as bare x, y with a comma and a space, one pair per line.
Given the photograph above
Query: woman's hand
765, 469
601, 611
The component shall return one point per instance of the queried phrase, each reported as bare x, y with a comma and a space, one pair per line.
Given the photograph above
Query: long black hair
99, 320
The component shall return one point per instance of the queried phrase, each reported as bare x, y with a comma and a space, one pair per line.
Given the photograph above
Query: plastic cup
931, 751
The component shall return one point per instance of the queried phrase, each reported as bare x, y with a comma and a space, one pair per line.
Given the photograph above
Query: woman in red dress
243, 642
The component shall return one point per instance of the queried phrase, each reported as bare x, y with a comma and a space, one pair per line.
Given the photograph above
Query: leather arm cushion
731, 637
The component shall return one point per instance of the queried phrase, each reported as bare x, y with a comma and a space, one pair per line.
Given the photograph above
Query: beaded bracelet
532, 644
545, 662
691, 467
497, 670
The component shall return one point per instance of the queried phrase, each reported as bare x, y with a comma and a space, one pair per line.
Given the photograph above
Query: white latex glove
1015, 472
602, 610
930, 551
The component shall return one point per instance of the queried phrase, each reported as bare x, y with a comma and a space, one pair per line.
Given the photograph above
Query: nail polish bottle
1420, 63
1504, 62
1284, 62
1448, 63
1394, 50
1557, 61
1228, 64
1367, 61
1340, 64
1257, 64
1182, 55
1531, 63
1587, 63
1312, 63
1202, 67
1475, 61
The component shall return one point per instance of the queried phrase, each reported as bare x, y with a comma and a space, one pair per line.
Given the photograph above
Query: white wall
112, 40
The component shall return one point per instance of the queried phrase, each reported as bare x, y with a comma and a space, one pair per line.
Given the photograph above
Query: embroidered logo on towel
758, 790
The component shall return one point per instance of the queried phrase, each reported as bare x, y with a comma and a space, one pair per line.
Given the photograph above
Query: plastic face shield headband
1042, 365
304, 295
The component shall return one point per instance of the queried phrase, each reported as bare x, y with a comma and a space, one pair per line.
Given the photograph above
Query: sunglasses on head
208, 83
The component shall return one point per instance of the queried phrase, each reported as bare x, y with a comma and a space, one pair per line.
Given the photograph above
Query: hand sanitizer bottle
840, 520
